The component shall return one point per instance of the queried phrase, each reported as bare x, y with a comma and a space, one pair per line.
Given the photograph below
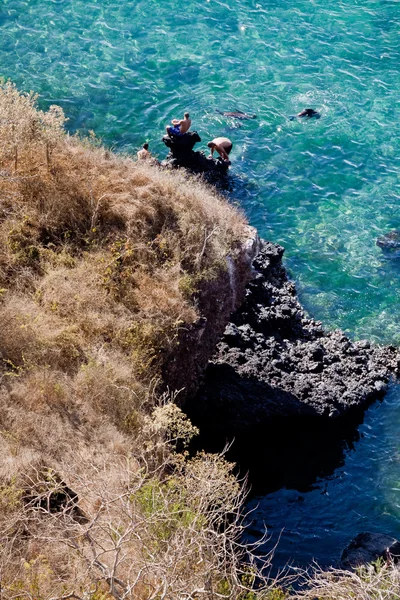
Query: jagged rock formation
274, 362
181, 154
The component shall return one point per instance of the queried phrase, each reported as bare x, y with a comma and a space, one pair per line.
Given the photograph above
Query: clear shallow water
324, 189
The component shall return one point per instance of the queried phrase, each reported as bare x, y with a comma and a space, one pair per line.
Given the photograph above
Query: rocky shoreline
273, 361
182, 155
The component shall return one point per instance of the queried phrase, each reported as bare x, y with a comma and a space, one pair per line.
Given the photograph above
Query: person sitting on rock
179, 126
222, 145
144, 153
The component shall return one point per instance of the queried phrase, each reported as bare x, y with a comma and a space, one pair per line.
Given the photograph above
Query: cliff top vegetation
102, 263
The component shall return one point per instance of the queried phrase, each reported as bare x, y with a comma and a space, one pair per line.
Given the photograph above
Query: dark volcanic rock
273, 361
181, 145
389, 240
368, 547
390, 243
181, 154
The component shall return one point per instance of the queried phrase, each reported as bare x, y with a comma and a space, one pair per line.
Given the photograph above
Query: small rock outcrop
390, 243
274, 362
181, 154
367, 547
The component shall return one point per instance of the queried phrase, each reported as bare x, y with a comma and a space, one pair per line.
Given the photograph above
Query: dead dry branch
137, 532
377, 581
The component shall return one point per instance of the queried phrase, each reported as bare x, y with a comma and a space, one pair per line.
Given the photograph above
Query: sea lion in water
307, 112
238, 114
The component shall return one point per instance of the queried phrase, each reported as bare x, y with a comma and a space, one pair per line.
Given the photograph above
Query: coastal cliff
117, 279
216, 300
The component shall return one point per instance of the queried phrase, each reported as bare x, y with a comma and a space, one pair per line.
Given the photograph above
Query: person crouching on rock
222, 145
179, 126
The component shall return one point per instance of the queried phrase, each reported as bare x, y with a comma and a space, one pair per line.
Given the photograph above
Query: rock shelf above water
274, 361
181, 154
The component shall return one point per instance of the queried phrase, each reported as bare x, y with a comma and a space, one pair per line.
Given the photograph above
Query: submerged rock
390, 243
389, 240
274, 362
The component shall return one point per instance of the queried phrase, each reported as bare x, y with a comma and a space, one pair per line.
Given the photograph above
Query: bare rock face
274, 362
367, 547
217, 299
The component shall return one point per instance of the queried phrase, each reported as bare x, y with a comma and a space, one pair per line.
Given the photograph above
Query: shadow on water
285, 452
316, 485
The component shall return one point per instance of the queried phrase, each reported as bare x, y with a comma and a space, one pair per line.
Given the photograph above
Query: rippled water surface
325, 189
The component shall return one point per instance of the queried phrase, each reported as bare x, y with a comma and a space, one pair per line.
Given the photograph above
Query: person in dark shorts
222, 145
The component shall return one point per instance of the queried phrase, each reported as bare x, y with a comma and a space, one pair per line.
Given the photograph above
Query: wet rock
390, 244
181, 154
367, 547
389, 241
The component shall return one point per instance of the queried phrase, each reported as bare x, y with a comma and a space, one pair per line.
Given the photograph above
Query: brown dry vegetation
101, 260
97, 252
100, 263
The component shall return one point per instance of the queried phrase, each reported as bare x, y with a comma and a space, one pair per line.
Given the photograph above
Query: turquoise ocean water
324, 189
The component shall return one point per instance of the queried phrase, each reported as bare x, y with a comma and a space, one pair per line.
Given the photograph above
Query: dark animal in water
390, 242
307, 112
237, 114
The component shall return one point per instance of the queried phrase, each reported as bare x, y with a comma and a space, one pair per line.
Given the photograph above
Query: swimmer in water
307, 112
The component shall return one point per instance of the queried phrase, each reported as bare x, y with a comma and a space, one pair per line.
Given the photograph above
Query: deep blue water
362, 494
324, 189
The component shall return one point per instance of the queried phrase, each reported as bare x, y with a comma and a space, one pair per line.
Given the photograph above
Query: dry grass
101, 262
116, 248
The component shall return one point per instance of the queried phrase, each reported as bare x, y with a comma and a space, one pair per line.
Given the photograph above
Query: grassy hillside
101, 263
